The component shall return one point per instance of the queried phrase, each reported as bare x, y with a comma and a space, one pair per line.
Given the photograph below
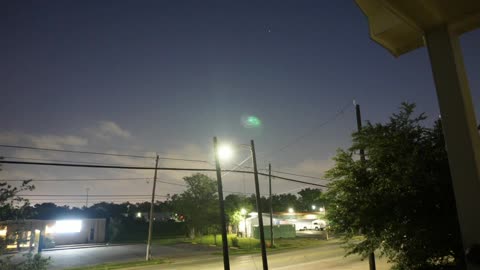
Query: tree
282, 202
400, 197
309, 197
13, 207
198, 204
233, 205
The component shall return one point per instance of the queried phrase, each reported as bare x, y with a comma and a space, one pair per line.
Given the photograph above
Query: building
246, 226
30, 233
301, 221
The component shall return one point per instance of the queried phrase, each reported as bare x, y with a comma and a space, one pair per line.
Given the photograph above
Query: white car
319, 225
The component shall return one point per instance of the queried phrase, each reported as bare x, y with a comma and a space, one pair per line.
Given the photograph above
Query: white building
246, 226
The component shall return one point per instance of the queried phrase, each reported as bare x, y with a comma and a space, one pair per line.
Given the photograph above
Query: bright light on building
290, 210
314, 207
225, 152
67, 226
3, 232
139, 214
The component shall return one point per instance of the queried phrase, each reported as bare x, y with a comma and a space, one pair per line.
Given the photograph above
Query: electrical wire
152, 168
97, 153
309, 131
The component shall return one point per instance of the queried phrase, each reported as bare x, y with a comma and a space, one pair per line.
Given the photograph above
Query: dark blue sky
174, 73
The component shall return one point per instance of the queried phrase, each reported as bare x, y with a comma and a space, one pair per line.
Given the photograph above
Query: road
323, 257
185, 256
96, 255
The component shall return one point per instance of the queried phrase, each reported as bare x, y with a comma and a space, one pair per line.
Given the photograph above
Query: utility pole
148, 255
271, 205
226, 260
371, 256
86, 200
259, 208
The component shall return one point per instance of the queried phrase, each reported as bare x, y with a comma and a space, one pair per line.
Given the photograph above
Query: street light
224, 153
314, 207
227, 152
290, 210
243, 211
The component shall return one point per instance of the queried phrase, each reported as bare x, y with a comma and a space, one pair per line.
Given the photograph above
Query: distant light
251, 121
3, 232
314, 207
68, 226
139, 214
225, 152
290, 210
243, 211
322, 209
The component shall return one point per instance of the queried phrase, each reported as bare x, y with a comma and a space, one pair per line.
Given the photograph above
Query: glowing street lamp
243, 211
225, 152
314, 207
290, 210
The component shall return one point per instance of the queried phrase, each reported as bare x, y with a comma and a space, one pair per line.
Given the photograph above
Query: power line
305, 134
151, 168
78, 179
72, 151
83, 195
301, 175
96, 153
56, 160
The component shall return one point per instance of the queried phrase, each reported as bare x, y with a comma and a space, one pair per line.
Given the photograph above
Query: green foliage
199, 204
400, 197
233, 205
282, 202
29, 262
235, 242
309, 197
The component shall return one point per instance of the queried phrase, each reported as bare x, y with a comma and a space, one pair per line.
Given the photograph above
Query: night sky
140, 77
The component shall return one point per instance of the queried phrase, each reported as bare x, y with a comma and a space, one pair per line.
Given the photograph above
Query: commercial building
30, 232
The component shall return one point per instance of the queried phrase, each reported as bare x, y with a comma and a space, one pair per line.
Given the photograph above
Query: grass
111, 266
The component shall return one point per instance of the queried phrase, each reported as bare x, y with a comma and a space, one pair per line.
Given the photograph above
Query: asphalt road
323, 257
96, 255
182, 257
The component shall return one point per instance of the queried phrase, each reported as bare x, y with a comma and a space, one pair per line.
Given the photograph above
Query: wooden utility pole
271, 205
148, 255
226, 260
371, 256
259, 208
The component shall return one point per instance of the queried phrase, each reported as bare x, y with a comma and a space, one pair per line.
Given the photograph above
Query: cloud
9, 138
57, 142
109, 129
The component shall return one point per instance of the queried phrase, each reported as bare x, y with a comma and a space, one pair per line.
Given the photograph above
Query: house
246, 226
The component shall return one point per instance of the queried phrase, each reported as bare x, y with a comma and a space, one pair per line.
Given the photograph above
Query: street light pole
148, 255
371, 256
86, 202
226, 260
259, 207
271, 204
